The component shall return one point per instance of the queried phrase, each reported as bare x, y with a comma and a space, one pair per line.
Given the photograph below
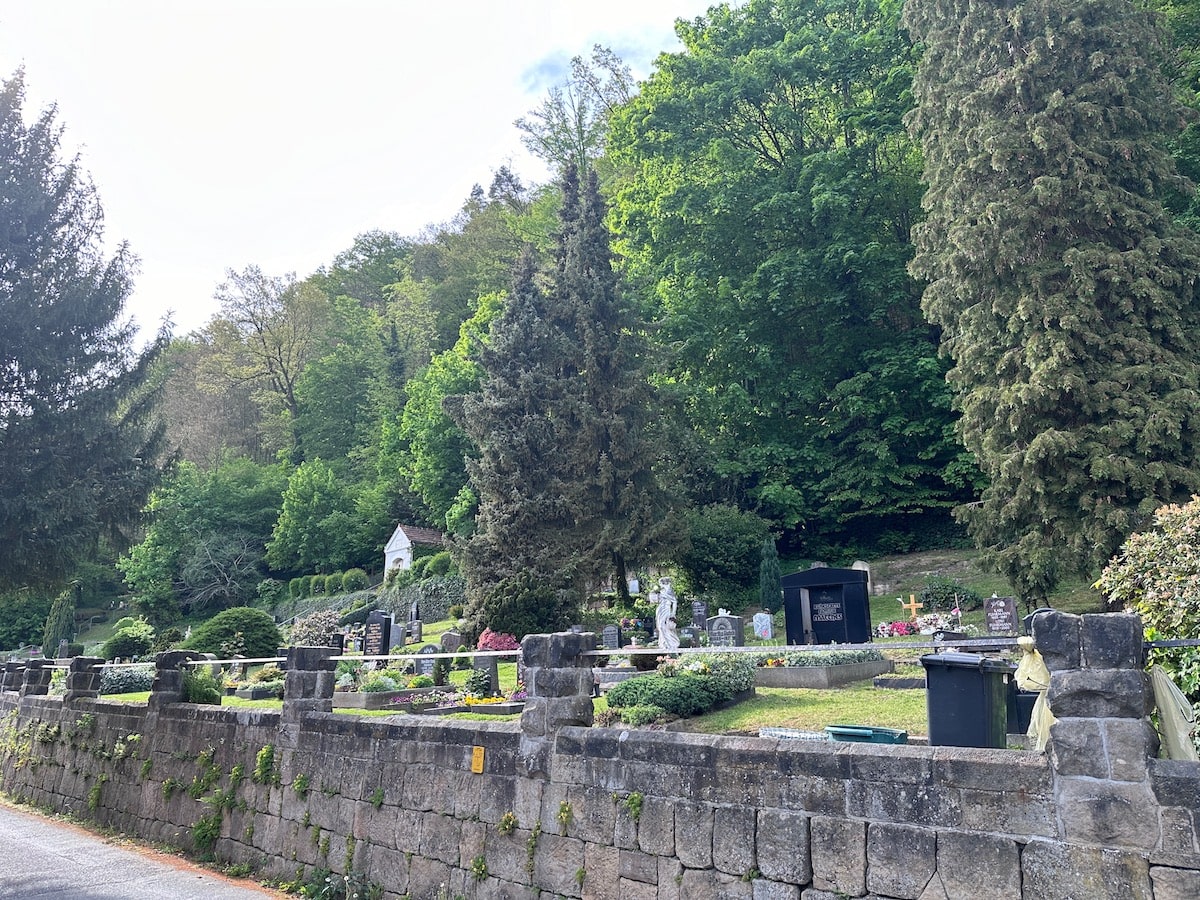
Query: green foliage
565, 428
24, 619
478, 684
507, 824
435, 596
204, 547
306, 585
253, 628
355, 580
80, 441
60, 622
316, 528
1076, 376
126, 680
133, 640
315, 629
638, 716
769, 596
206, 831
265, 771
768, 197
724, 549
1156, 574
942, 593
333, 583
200, 686
296, 588
681, 695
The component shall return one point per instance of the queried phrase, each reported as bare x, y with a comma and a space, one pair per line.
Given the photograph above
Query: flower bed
378, 699
826, 676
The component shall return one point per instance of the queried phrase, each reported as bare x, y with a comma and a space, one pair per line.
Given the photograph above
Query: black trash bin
1020, 708
967, 699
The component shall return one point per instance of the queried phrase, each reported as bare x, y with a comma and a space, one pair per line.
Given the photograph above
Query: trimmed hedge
253, 629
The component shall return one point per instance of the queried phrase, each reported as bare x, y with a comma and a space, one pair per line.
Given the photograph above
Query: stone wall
551, 807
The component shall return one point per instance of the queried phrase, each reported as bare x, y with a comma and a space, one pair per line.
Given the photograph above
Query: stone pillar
558, 685
13, 676
1102, 742
308, 683
168, 676
37, 678
83, 678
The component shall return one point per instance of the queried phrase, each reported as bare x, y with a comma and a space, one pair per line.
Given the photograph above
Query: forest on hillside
775, 355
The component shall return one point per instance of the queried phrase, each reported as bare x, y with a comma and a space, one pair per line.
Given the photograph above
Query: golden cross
912, 606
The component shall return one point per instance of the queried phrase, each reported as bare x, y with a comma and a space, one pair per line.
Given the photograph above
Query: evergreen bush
133, 638
333, 584
126, 680
254, 629
305, 586
295, 588
355, 580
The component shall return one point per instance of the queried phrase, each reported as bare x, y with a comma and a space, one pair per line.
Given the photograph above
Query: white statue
664, 618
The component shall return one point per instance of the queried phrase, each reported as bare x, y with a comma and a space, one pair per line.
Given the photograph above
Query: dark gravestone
691, 635
726, 631
1000, 614
377, 635
337, 641
488, 664
826, 606
610, 637
425, 666
699, 614
451, 641
416, 630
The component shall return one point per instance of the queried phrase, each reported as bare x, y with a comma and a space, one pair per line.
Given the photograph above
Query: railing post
168, 676
558, 687
1102, 741
83, 678
37, 678
13, 676
308, 682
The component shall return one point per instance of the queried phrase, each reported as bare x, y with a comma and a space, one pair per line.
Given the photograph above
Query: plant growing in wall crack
300, 786
479, 869
531, 846
565, 815
507, 824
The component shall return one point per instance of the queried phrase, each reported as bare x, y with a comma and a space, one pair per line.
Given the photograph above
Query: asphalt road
47, 860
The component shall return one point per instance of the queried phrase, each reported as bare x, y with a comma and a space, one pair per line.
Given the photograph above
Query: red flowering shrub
497, 640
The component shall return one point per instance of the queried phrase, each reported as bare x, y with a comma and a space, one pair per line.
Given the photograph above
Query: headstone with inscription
488, 664
699, 614
726, 631
451, 641
611, 638
690, 636
425, 666
1000, 614
377, 634
826, 606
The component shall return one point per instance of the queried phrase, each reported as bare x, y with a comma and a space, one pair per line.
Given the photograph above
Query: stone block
638, 866
656, 827
694, 834
1108, 813
603, 872
967, 861
1178, 830
1059, 638
774, 890
1113, 641
559, 682
1051, 871
556, 862
708, 884
578, 710
1099, 694
733, 840
839, 855
900, 860
1175, 884
441, 837
1116, 749
782, 844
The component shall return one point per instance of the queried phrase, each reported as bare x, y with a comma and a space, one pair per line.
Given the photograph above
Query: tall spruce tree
1065, 293
78, 445
564, 425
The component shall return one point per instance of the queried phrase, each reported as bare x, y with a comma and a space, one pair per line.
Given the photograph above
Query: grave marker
425, 666
699, 614
726, 631
377, 636
1000, 614
610, 637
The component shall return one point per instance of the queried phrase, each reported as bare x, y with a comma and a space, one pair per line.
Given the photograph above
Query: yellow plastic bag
1032, 675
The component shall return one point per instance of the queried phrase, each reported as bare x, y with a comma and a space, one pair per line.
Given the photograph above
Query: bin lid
955, 660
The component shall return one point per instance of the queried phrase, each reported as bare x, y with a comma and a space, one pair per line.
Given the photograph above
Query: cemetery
556, 802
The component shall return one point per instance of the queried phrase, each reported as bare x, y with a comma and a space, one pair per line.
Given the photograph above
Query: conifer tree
60, 623
564, 428
78, 444
1065, 293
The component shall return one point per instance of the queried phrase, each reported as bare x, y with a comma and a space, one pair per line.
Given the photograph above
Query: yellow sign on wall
477, 760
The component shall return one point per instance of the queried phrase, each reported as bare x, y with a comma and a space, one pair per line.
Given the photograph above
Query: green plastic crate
867, 734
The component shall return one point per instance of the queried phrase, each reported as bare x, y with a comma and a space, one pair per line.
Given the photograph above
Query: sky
225, 134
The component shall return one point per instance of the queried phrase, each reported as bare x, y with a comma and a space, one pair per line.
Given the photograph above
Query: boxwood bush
253, 629
126, 680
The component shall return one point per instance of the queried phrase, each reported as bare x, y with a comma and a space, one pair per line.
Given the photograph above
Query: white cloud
226, 133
